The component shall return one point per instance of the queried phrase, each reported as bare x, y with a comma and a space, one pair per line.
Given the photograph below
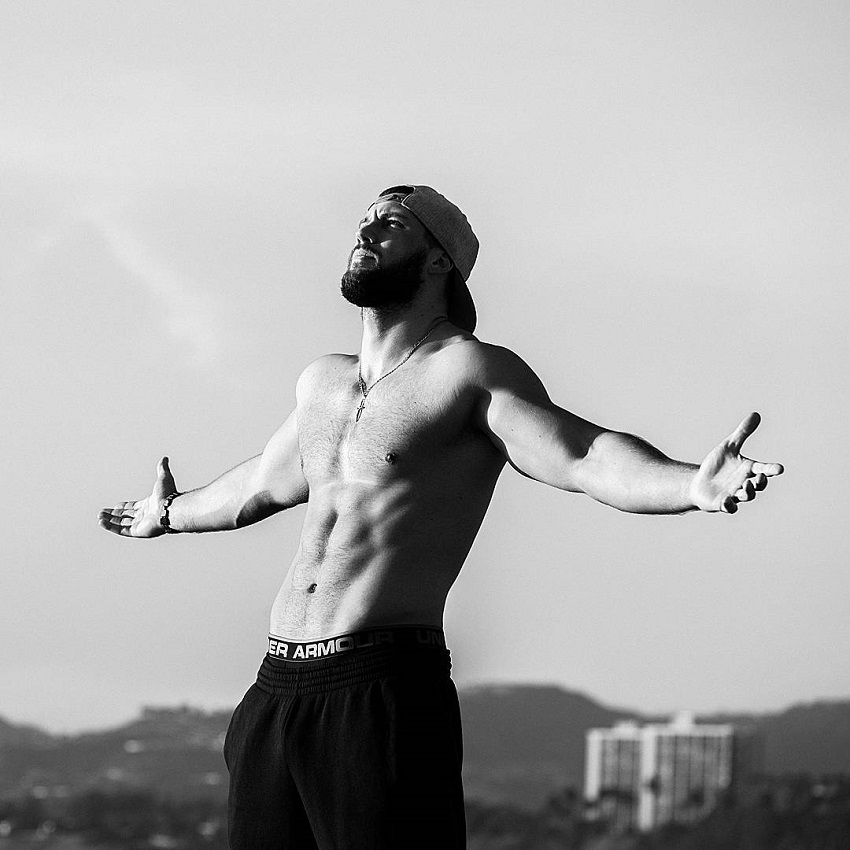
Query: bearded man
350, 738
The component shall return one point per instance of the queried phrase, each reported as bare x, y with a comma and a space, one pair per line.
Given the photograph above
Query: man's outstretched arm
251, 491
552, 445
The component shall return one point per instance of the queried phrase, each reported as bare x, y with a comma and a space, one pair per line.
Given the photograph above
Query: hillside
521, 745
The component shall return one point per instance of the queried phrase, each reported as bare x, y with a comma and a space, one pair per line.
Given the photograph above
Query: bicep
537, 437
279, 475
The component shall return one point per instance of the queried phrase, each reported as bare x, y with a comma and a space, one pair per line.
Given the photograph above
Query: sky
662, 194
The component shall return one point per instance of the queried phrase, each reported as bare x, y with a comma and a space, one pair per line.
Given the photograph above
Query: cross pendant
360, 410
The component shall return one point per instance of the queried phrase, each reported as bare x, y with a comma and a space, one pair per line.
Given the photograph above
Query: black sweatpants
355, 751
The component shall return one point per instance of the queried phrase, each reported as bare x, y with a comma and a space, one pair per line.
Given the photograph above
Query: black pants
358, 751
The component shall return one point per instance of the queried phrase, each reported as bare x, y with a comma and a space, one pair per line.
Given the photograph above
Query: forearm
229, 502
629, 474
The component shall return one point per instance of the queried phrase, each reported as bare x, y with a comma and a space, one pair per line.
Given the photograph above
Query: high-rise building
612, 774
640, 777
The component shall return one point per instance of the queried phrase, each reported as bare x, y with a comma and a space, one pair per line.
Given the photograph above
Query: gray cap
449, 226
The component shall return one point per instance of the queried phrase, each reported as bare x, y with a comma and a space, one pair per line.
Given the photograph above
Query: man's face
385, 267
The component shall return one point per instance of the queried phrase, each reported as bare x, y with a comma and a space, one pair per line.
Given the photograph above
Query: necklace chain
362, 384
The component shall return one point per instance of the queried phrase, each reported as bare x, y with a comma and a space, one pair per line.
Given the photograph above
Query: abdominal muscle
376, 555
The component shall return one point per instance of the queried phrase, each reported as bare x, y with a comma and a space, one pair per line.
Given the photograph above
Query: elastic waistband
301, 651
299, 667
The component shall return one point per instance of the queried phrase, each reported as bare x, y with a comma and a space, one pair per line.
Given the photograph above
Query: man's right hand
141, 519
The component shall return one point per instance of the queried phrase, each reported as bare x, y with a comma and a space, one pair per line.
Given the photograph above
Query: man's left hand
726, 478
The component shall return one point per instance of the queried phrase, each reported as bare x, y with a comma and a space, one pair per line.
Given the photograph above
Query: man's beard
384, 288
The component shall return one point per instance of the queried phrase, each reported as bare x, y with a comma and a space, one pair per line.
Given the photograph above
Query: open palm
726, 478
141, 519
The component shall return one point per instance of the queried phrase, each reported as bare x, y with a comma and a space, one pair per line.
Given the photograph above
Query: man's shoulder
325, 368
481, 361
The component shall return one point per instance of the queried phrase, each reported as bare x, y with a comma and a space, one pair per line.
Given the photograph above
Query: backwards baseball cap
449, 226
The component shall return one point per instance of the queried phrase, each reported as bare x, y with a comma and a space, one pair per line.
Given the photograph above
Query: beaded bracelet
164, 519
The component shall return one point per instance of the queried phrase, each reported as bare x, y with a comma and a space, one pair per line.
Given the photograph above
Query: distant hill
811, 737
23, 736
522, 744
176, 752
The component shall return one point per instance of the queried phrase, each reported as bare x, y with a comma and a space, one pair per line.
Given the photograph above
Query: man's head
408, 234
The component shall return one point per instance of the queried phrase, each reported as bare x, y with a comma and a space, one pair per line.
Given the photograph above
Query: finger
746, 492
110, 520
768, 469
109, 524
121, 510
729, 505
760, 481
748, 424
164, 477
124, 528
109, 515
164, 468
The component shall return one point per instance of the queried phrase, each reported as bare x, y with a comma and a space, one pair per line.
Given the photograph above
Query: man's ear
439, 261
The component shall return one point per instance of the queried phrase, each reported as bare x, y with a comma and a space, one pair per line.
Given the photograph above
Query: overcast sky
661, 193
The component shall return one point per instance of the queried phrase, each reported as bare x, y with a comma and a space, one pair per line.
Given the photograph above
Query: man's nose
364, 233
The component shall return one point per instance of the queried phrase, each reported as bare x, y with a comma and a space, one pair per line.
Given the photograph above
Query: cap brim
461, 308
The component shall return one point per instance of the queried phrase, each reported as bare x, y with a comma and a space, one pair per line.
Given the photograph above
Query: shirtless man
350, 737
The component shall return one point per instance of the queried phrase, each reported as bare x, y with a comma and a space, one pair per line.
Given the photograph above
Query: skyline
662, 197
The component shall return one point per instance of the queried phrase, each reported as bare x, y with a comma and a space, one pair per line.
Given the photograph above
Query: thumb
164, 478
748, 424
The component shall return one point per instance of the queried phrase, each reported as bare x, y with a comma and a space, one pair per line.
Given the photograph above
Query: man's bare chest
400, 425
